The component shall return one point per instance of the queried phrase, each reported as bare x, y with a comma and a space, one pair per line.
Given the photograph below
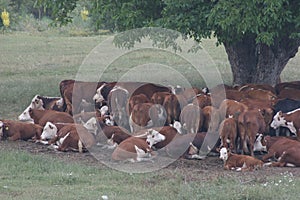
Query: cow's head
154, 137
224, 153
49, 131
25, 116
98, 97
3, 130
259, 144
279, 120
37, 103
92, 125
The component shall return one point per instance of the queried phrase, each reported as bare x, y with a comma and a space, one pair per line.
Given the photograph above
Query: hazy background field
33, 63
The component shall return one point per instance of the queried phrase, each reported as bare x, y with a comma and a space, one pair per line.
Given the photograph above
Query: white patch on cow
61, 140
80, 146
91, 125
141, 155
60, 102
154, 137
104, 110
293, 111
227, 140
1, 128
98, 98
177, 125
290, 165
258, 144
49, 131
117, 87
109, 120
205, 90
223, 154
131, 123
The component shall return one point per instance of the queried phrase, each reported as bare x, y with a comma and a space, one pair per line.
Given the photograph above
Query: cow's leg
16, 136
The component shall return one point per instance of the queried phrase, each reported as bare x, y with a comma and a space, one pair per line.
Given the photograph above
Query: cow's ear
50, 126
280, 113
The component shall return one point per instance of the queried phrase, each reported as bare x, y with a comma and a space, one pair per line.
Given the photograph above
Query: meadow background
34, 58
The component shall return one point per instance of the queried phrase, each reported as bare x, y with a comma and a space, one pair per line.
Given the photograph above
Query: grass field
35, 64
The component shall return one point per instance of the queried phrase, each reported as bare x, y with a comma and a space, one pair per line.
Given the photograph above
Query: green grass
35, 64
25, 176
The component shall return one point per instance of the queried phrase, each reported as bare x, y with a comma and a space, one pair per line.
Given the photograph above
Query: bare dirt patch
208, 169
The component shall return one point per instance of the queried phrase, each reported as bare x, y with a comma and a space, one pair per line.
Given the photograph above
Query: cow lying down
73, 137
14, 130
136, 149
239, 162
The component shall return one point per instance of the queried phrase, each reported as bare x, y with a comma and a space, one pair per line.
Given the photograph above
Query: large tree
260, 36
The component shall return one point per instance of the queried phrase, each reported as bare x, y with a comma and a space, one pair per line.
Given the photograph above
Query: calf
228, 133
73, 137
133, 149
289, 120
250, 124
14, 130
41, 117
239, 162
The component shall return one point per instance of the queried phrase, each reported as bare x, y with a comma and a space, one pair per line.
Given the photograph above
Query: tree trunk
253, 62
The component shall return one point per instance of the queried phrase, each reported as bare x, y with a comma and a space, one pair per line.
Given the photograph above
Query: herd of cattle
136, 119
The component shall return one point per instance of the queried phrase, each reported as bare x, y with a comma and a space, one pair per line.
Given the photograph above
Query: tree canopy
253, 32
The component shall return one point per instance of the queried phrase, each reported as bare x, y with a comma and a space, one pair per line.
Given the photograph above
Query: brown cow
260, 94
191, 118
136, 99
14, 130
290, 93
133, 149
239, 162
159, 97
73, 92
277, 145
41, 117
173, 105
202, 100
228, 133
146, 115
231, 107
73, 137
250, 124
211, 118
